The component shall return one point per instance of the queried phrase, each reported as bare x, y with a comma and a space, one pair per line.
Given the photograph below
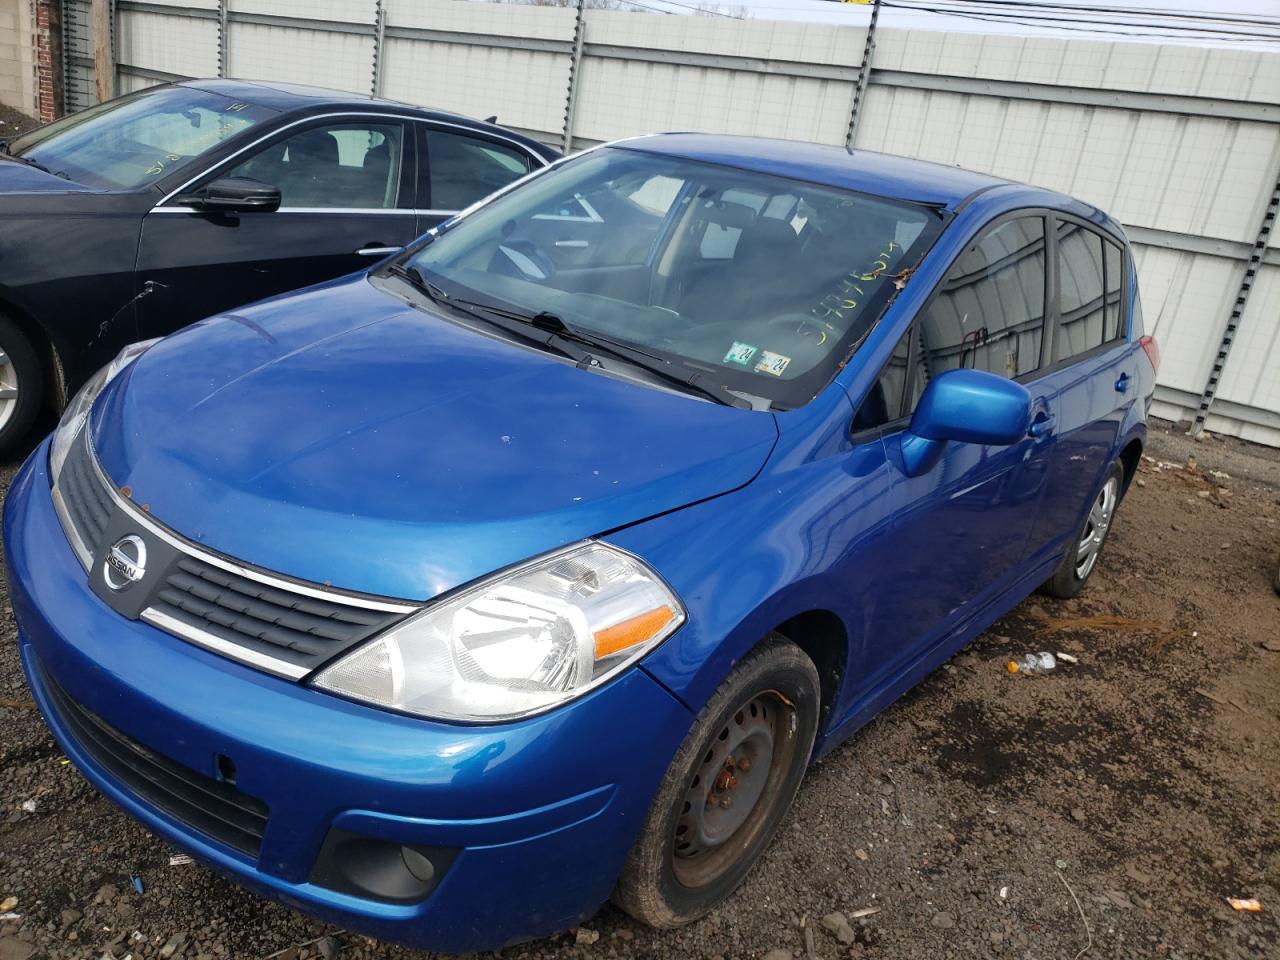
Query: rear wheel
1068, 580
727, 790
21, 384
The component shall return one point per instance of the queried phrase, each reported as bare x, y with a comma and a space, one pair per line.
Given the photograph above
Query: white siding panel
340, 60
1252, 374
180, 45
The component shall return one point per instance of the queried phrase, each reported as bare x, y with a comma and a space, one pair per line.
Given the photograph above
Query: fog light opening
376, 869
225, 768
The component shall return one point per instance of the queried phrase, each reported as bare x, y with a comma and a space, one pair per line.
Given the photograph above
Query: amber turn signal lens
630, 632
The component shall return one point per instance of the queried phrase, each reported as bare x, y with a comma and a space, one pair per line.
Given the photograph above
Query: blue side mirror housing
968, 406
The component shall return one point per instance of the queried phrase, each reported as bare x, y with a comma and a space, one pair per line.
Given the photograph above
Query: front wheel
727, 789
1068, 580
21, 384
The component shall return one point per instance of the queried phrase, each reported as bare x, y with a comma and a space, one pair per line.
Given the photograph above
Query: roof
297, 96
880, 174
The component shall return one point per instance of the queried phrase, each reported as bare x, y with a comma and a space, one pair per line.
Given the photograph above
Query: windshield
134, 141
759, 283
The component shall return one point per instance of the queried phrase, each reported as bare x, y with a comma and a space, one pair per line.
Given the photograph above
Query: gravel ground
13, 123
1108, 808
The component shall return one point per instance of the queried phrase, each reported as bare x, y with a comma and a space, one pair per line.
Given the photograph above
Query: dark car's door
348, 197
961, 528
1092, 377
460, 166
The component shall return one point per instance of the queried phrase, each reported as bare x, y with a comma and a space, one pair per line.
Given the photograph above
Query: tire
1069, 579
689, 858
20, 374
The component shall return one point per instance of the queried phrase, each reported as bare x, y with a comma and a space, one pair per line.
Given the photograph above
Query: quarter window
989, 312
464, 169
1112, 325
883, 401
353, 165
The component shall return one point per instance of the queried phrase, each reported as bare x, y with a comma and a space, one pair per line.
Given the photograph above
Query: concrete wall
1180, 143
17, 56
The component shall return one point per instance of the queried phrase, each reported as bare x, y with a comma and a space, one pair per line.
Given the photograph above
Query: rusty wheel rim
734, 788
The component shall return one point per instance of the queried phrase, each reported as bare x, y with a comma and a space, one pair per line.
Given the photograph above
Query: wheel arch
823, 638
41, 340
1130, 456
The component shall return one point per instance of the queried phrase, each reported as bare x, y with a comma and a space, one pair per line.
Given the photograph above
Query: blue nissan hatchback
532, 567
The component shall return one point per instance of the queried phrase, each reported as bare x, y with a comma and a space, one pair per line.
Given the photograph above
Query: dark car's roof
881, 174
296, 96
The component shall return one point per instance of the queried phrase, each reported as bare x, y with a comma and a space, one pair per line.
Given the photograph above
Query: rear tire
21, 384
1082, 556
727, 790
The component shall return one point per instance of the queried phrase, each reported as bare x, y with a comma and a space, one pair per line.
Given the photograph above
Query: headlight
518, 643
77, 412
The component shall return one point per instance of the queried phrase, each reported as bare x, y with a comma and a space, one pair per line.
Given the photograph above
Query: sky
1249, 24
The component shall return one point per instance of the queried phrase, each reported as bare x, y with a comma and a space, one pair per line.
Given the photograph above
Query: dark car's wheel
1068, 580
727, 789
21, 384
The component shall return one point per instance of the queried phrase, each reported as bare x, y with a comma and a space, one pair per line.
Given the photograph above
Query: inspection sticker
772, 363
740, 353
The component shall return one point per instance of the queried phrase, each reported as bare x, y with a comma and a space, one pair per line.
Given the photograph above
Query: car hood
22, 179
341, 436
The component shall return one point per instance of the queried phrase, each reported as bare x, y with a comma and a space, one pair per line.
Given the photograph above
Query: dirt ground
1107, 809
13, 123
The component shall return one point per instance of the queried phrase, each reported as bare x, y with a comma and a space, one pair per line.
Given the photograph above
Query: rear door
348, 187
1091, 375
460, 166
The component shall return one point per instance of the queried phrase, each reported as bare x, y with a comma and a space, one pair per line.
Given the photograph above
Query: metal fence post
575, 70
66, 57
223, 24
864, 72
379, 38
1237, 309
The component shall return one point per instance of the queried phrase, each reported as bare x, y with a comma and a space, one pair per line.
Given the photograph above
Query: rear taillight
1152, 350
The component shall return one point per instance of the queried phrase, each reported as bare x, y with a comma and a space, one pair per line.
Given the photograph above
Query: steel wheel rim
1096, 527
8, 389
735, 785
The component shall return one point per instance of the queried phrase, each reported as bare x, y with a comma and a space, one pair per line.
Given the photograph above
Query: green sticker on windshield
740, 353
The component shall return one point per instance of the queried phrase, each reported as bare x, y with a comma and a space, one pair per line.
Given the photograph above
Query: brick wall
49, 101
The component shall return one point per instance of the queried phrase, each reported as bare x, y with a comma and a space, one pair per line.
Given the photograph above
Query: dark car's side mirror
233, 195
969, 406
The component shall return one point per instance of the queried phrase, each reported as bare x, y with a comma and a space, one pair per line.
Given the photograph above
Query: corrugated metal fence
1180, 143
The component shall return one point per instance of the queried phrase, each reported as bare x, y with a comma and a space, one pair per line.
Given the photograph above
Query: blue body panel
338, 435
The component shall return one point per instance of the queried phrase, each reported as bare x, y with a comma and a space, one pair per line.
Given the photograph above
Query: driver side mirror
966, 406
233, 195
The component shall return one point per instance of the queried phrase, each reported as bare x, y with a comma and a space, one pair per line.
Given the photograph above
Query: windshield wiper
634, 356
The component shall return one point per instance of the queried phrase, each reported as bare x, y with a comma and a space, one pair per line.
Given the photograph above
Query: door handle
1122, 385
373, 250
1042, 425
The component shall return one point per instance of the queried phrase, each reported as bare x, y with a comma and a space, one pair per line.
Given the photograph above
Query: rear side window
989, 312
464, 169
1112, 324
1080, 285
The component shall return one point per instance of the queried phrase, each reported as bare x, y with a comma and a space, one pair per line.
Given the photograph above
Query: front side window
464, 169
134, 141
758, 283
339, 165
1080, 287
988, 313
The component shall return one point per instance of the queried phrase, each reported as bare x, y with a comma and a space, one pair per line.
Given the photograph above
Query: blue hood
340, 436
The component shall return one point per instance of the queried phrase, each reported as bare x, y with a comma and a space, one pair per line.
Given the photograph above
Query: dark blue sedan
533, 567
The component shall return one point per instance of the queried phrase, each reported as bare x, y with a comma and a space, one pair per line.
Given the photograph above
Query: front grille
212, 807
276, 624
86, 501
302, 630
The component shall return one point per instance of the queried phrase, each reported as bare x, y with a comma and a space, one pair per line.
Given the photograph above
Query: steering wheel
806, 326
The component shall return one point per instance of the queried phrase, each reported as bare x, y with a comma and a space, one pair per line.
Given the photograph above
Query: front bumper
541, 813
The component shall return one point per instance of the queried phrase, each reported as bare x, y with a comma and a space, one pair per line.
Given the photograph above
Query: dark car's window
615, 243
883, 402
1112, 327
463, 169
354, 165
136, 140
1080, 285
989, 311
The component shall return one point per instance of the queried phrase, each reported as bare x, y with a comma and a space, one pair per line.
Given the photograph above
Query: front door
347, 199
962, 527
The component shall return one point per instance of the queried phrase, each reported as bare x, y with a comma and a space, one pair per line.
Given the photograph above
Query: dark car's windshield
761, 283
134, 141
